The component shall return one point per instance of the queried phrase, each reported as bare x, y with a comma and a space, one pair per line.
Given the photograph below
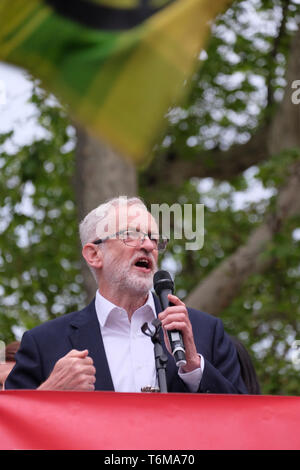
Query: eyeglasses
135, 238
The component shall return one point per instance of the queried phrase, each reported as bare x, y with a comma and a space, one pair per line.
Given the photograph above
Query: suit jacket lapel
86, 334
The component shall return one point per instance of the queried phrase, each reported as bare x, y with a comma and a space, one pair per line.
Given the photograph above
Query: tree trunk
100, 175
285, 129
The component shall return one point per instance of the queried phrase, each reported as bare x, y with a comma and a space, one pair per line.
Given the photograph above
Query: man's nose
147, 243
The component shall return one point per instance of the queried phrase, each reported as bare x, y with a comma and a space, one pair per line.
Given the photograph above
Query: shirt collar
104, 307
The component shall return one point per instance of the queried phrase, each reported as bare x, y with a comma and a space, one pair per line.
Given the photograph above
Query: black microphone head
162, 280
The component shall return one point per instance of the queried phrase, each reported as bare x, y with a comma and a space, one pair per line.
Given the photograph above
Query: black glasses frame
160, 242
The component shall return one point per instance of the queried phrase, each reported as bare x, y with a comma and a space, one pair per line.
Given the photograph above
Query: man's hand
177, 318
74, 371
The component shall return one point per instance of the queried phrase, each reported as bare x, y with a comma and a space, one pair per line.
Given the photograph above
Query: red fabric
108, 420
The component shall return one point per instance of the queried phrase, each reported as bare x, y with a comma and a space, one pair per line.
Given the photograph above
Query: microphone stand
160, 357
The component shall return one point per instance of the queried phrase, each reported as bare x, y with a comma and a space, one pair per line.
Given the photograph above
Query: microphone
163, 285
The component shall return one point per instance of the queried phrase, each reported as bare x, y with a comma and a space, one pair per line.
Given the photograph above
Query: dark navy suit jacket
44, 345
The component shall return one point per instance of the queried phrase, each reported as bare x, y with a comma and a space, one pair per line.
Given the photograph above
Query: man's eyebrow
137, 229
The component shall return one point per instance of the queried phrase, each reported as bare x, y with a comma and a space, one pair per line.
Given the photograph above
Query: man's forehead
122, 217
135, 216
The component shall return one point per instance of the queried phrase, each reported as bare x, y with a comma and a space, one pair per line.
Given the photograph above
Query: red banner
108, 420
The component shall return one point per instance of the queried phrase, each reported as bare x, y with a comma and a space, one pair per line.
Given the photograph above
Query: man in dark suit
102, 347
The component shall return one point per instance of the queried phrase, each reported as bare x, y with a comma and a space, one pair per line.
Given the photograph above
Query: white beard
124, 277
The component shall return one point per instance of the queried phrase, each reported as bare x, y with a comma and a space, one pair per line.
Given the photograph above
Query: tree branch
281, 132
222, 285
222, 165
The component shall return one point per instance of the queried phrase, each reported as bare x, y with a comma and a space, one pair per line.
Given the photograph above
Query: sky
15, 111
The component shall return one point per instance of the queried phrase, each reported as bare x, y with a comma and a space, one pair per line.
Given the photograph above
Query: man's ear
92, 255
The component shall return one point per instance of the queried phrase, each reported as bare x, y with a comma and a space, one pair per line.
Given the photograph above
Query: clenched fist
74, 371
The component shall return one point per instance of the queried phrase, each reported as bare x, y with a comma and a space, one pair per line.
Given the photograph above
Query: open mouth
143, 264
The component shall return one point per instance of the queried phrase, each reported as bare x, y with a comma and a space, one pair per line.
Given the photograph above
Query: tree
239, 127
39, 267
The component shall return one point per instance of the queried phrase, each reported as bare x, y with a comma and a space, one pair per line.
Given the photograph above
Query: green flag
118, 64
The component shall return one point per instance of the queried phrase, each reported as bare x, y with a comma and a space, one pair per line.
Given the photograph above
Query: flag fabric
118, 65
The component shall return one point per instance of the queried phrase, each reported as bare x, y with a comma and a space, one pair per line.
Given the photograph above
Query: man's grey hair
90, 226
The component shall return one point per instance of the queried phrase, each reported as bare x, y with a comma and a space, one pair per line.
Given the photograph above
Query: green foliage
39, 266
240, 81
266, 314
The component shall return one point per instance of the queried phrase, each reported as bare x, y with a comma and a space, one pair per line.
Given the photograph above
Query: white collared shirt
129, 352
